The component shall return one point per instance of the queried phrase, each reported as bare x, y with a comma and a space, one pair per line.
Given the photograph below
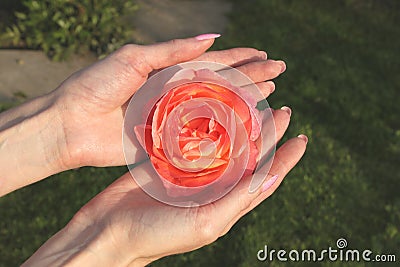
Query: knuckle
244, 199
126, 52
174, 51
205, 228
132, 60
280, 166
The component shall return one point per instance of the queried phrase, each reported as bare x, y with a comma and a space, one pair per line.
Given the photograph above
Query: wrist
31, 142
81, 243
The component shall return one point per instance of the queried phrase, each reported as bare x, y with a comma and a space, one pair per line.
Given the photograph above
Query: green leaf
20, 15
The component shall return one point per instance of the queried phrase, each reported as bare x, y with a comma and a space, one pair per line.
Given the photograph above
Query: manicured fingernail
304, 137
207, 36
283, 65
267, 184
287, 109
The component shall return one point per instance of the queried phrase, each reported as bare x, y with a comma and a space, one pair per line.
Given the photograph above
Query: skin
123, 226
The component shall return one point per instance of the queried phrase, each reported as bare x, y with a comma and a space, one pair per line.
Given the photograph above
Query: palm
99, 134
135, 222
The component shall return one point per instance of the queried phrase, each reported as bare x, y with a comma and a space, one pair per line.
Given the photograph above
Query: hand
80, 123
92, 102
150, 230
123, 226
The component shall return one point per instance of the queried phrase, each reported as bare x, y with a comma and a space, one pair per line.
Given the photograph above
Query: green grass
343, 85
33, 214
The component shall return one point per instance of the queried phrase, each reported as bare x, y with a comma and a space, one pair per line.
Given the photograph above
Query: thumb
169, 53
123, 72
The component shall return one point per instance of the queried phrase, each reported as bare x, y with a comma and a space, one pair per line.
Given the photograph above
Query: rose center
200, 138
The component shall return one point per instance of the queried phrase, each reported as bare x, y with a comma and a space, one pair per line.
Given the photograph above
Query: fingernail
267, 184
283, 65
304, 137
287, 109
264, 54
207, 36
272, 86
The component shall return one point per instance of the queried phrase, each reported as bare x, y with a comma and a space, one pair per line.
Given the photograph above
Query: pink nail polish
267, 184
287, 109
207, 36
304, 137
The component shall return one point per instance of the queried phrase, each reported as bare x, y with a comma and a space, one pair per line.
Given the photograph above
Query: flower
203, 129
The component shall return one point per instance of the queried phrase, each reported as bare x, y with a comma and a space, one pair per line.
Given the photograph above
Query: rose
200, 138
200, 129
190, 147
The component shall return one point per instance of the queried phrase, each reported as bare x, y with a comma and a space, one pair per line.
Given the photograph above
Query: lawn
343, 85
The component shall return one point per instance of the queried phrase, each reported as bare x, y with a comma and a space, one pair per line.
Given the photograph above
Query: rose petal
181, 130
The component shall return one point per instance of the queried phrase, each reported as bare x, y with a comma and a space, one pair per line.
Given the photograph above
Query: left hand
80, 123
92, 102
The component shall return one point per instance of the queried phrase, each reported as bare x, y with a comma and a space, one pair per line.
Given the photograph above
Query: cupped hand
91, 103
123, 226
139, 229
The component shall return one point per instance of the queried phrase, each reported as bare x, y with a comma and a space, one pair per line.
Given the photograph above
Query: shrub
62, 27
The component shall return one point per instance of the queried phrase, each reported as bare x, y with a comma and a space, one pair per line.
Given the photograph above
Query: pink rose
201, 132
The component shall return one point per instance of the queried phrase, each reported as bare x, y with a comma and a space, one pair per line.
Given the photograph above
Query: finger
264, 70
255, 72
272, 131
120, 74
169, 53
281, 119
287, 156
266, 88
233, 57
